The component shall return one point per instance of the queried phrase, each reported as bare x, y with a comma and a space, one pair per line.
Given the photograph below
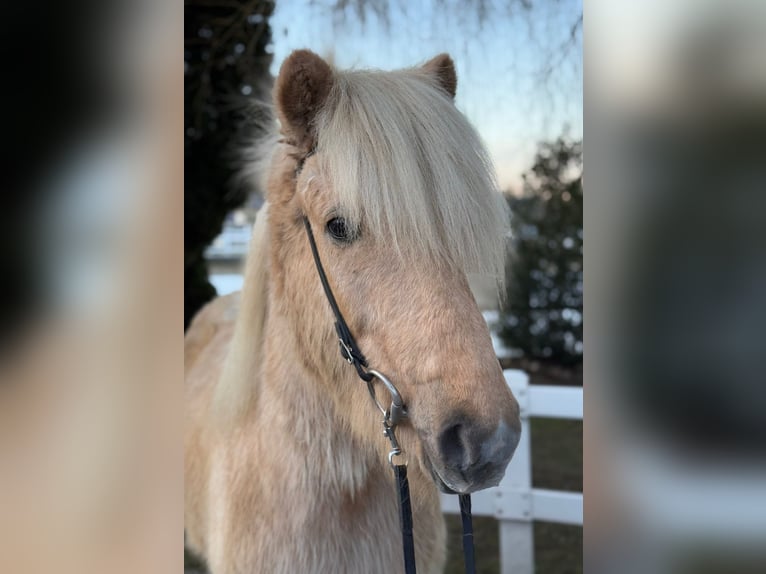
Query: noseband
392, 417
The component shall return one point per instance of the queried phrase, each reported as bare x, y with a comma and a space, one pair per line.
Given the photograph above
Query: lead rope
405, 517
465, 518
391, 417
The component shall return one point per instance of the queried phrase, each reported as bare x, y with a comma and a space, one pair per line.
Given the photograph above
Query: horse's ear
443, 69
301, 90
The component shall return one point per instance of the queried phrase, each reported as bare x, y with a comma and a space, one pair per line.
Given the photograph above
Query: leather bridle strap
351, 353
348, 347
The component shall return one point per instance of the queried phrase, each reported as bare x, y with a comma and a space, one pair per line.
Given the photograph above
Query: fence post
517, 533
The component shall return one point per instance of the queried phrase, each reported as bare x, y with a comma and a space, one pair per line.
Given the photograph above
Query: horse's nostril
473, 452
455, 446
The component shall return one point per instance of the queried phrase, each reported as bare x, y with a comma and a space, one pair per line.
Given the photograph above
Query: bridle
393, 415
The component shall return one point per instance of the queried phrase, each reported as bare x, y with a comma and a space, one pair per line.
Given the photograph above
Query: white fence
515, 504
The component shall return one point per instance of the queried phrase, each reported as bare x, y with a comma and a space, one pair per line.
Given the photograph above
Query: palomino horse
286, 468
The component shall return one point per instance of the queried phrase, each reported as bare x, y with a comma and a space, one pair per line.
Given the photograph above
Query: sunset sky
501, 62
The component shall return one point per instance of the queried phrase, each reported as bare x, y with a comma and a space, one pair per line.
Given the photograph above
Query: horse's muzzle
470, 457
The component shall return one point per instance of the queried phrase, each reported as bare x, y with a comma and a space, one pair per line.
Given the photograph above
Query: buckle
345, 351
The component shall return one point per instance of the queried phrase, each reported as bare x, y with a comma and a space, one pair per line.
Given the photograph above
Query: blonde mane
235, 391
404, 160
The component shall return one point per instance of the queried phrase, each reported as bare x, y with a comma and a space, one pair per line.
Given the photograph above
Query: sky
501, 62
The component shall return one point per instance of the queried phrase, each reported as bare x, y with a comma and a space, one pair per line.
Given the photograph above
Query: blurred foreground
91, 356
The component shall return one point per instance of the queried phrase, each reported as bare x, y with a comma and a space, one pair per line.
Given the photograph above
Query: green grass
557, 454
556, 464
558, 547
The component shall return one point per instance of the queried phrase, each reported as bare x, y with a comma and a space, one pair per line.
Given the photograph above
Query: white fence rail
515, 504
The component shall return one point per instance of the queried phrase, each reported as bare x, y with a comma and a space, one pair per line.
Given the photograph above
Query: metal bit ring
396, 412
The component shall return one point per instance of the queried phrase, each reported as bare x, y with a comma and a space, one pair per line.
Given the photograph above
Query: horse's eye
340, 230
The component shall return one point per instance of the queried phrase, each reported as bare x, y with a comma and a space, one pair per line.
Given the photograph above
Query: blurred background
676, 218
519, 67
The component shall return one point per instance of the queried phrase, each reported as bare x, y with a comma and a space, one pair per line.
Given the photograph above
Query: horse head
403, 203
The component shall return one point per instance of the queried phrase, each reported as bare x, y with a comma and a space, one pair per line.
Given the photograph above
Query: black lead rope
351, 353
405, 516
465, 517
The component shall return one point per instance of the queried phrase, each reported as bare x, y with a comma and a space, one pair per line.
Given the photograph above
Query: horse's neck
306, 415
337, 481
